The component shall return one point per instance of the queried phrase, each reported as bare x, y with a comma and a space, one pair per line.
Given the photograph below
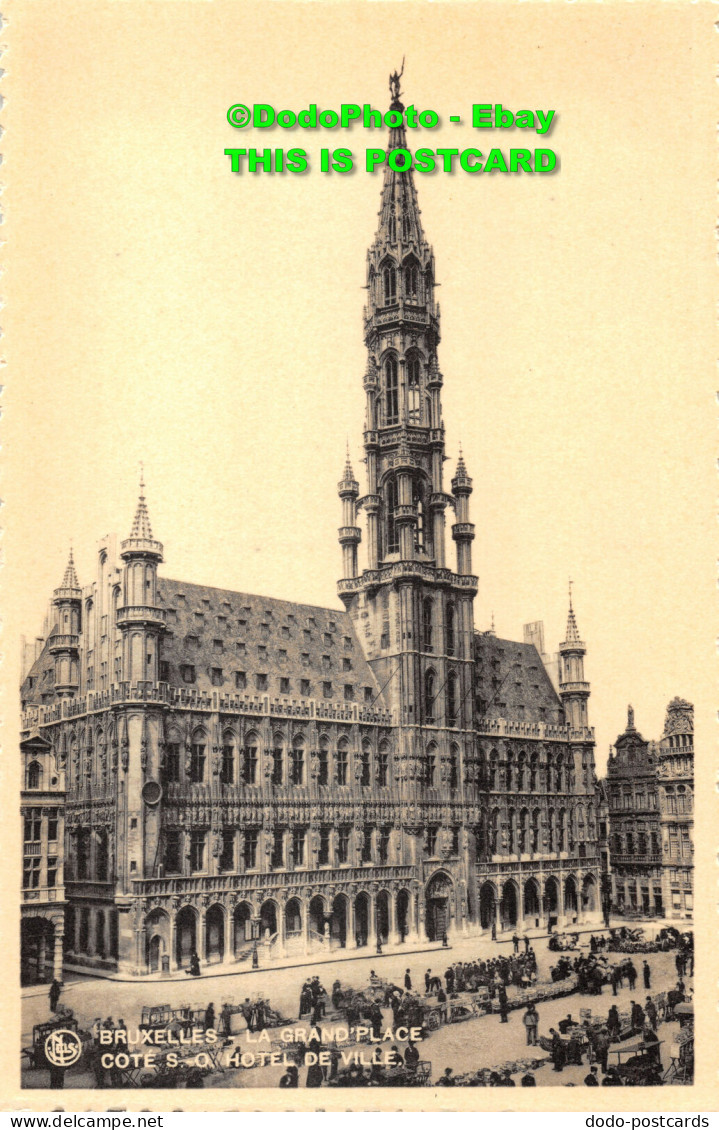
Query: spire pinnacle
630, 717
141, 527
349, 473
70, 581
572, 634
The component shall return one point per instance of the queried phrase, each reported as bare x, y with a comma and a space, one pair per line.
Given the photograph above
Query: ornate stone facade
649, 789
675, 773
245, 773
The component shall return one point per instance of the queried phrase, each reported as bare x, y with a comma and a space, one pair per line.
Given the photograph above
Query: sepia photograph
359, 449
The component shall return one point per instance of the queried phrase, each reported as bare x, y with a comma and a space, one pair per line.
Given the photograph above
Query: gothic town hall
215, 772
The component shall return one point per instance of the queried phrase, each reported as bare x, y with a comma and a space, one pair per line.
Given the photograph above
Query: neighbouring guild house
246, 773
649, 787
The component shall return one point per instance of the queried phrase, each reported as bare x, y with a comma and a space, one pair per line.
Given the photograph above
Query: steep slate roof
512, 682
232, 632
38, 686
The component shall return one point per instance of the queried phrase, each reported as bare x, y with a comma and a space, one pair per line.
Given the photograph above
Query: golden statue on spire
394, 83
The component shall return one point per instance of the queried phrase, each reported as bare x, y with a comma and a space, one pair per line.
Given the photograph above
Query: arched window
391, 391
197, 758
297, 761
449, 629
414, 398
407, 232
524, 831
389, 282
227, 771
323, 761
342, 764
418, 503
365, 765
383, 764
249, 758
452, 699
453, 766
427, 624
429, 697
533, 763
391, 502
34, 775
430, 766
392, 229
535, 829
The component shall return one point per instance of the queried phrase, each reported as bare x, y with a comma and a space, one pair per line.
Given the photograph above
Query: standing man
651, 1010
631, 975
647, 974
55, 990
427, 981
503, 1004
531, 1023
407, 981
515, 943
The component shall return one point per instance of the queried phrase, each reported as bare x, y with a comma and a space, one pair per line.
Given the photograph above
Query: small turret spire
349, 473
70, 581
141, 527
572, 635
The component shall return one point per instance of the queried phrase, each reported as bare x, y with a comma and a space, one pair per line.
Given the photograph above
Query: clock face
151, 792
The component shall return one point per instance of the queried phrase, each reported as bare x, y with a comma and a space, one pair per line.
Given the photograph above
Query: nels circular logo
63, 1048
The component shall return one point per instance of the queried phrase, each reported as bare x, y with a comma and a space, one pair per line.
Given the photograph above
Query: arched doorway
293, 921
508, 907
37, 948
157, 939
242, 929
487, 906
382, 906
362, 919
268, 920
185, 935
437, 907
551, 901
317, 920
570, 899
532, 909
402, 911
589, 894
215, 934
338, 922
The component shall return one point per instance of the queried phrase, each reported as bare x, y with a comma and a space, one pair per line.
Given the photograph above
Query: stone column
57, 955
561, 918
392, 935
520, 904
173, 940
306, 924
202, 939
351, 936
41, 956
498, 915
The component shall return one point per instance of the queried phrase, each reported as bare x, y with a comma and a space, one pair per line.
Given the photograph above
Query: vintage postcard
359, 555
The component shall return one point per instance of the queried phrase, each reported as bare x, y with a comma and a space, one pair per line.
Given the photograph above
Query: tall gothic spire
400, 227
